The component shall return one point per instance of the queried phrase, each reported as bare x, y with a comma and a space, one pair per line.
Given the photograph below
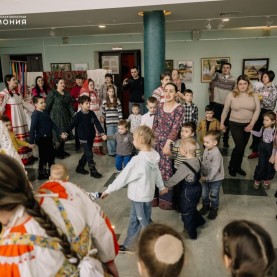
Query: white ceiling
184, 17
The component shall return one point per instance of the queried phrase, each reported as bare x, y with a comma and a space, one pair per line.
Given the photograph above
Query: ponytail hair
15, 190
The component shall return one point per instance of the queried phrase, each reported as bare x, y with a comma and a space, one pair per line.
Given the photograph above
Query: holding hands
64, 136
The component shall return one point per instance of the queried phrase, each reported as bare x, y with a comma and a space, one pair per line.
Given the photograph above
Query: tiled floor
238, 200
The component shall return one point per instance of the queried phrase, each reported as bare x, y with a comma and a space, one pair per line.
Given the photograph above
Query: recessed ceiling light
225, 19
165, 13
102, 26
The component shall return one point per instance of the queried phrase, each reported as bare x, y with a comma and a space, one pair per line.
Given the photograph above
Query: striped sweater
112, 114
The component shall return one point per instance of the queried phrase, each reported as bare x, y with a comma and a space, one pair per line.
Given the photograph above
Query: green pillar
154, 50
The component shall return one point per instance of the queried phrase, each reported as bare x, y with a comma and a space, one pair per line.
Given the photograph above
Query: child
158, 93
17, 143
41, 134
209, 123
135, 117
112, 113
212, 174
124, 144
265, 171
85, 121
191, 110
141, 174
148, 118
247, 249
161, 252
188, 175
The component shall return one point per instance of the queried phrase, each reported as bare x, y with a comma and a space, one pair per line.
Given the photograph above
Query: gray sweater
212, 165
124, 143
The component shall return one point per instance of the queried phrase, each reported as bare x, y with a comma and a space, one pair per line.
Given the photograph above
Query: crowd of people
158, 155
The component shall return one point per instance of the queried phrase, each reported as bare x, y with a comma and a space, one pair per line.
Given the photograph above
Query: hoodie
140, 174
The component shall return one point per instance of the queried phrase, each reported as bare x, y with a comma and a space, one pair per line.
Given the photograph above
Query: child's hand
203, 179
164, 191
104, 195
272, 159
104, 137
102, 119
64, 136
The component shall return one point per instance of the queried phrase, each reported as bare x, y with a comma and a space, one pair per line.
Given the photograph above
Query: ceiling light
117, 48
269, 21
225, 19
102, 26
208, 25
52, 32
165, 13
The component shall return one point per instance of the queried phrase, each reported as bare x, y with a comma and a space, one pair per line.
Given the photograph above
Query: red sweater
75, 95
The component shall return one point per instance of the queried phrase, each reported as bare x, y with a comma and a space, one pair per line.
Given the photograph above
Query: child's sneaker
204, 210
256, 184
94, 195
266, 184
123, 249
213, 213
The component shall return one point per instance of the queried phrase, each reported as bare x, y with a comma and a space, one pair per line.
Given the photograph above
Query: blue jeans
121, 160
210, 193
141, 107
111, 144
140, 217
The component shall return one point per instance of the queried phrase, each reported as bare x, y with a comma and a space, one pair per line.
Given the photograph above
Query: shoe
204, 210
266, 184
256, 184
241, 172
112, 155
42, 174
213, 213
93, 172
253, 155
60, 156
81, 170
232, 172
66, 154
123, 249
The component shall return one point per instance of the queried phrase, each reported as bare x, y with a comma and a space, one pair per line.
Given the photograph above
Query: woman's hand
248, 128
272, 159
166, 148
222, 128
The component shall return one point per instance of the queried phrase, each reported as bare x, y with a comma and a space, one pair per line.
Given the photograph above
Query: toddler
209, 123
161, 252
135, 117
265, 171
141, 175
212, 174
124, 144
191, 110
187, 176
148, 118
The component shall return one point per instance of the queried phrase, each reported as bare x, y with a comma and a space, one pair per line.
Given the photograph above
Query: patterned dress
166, 126
158, 93
60, 109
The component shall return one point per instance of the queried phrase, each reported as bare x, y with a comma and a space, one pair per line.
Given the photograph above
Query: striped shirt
112, 114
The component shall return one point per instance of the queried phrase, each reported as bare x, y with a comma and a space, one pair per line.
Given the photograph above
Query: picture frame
81, 66
168, 66
60, 67
110, 63
206, 65
185, 68
250, 67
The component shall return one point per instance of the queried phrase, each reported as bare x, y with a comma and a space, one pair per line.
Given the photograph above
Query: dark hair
15, 190
188, 91
214, 134
108, 101
83, 98
271, 116
123, 122
172, 84
4, 118
135, 67
36, 98
225, 63
191, 125
135, 105
90, 80
79, 76
209, 108
147, 254
109, 75
163, 75
249, 247
37, 86
7, 78
56, 82
270, 74
262, 70
152, 100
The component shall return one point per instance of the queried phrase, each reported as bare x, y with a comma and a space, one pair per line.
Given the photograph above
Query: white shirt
147, 119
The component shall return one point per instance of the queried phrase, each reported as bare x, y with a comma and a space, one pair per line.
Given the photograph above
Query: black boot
59, 150
80, 169
205, 209
213, 213
93, 172
42, 174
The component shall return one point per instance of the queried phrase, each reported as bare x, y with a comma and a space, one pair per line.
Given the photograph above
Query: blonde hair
146, 133
188, 144
250, 89
58, 172
160, 263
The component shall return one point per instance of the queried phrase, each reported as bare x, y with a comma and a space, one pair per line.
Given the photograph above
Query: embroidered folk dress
27, 251
166, 126
13, 107
158, 93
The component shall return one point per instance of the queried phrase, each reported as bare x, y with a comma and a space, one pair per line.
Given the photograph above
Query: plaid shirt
191, 113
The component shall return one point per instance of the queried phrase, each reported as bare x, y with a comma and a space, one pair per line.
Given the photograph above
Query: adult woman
159, 92
245, 108
52, 236
166, 126
104, 88
12, 105
175, 76
95, 104
59, 107
247, 249
40, 88
268, 95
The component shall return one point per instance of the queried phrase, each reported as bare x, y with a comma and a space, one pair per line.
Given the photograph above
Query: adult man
75, 91
223, 83
136, 84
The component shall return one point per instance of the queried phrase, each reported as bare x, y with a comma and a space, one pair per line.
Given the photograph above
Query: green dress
60, 109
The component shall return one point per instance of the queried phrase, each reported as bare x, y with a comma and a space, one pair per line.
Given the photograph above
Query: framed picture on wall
168, 65
186, 70
250, 67
60, 66
81, 66
111, 63
206, 65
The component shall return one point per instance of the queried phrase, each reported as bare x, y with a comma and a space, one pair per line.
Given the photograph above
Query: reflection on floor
238, 200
